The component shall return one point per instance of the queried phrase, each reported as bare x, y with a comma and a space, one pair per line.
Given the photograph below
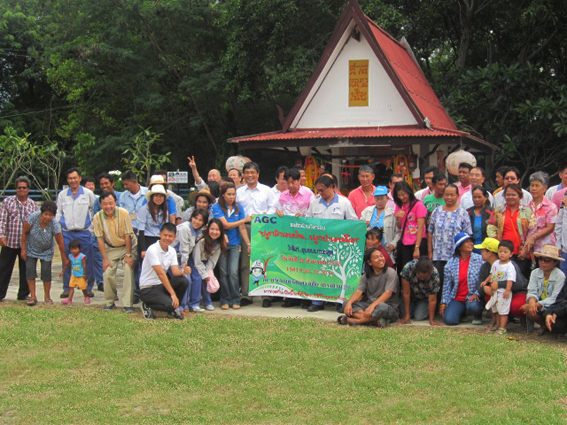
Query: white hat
156, 189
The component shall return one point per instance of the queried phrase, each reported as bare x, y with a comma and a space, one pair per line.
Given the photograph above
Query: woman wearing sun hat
151, 217
546, 282
171, 205
201, 199
382, 217
460, 289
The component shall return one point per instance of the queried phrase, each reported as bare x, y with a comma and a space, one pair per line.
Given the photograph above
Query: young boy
78, 272
502, 269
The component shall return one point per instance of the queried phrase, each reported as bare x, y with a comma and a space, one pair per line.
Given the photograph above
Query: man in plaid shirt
13, 212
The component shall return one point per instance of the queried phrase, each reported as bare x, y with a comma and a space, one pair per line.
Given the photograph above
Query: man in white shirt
512, 176
563, 176
255, 198
328, 205
157, 291
281, 183
477, 178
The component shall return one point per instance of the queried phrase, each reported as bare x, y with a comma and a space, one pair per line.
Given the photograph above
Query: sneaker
477, 322
209, 308
90, 294
196, 309
147, 312
245, 301
175, 314
64, 294
128, 309
109, 307
66, 301
87, 300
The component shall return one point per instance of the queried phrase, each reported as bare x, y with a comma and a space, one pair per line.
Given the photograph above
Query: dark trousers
157, 298
7, 260
560, 326
406, 254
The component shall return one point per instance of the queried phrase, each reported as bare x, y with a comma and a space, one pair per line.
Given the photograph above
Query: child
502, 269
374, 240
78, 272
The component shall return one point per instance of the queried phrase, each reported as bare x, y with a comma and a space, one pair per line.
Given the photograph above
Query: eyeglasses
22, 187
545, 260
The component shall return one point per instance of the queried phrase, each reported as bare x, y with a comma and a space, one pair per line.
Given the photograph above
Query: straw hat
156, 189
549, 251
205, 193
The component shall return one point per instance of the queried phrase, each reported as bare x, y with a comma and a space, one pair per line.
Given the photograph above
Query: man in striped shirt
13, 212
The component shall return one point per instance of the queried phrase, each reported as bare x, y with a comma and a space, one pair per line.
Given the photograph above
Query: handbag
212, 284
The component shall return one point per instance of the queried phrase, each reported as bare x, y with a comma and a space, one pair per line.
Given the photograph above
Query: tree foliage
91, 74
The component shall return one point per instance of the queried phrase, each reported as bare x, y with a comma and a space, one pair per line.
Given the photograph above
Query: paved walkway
254, 310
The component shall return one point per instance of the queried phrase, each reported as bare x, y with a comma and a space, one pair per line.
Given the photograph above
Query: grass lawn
83, 365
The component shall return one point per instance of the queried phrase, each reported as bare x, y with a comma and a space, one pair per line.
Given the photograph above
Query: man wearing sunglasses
13, 213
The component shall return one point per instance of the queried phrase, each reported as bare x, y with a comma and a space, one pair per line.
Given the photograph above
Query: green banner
310, 258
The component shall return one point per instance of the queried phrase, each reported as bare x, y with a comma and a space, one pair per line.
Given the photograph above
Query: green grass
88, 366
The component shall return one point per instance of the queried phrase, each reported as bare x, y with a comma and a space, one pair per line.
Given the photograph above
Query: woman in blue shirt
479, 215
232, 216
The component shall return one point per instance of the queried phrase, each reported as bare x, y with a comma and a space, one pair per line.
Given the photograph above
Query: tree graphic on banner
343, 262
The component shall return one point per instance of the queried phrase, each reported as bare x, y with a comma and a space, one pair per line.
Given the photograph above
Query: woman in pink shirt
410, 218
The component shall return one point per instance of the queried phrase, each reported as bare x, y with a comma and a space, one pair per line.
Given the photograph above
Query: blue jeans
83, 236
455, 310
229, 267
563, 264
184, 302
97, 261
198, 291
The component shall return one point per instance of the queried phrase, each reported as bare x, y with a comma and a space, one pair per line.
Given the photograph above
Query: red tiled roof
412, 78
345, 133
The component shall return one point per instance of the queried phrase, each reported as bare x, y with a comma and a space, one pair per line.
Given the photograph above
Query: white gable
327, 105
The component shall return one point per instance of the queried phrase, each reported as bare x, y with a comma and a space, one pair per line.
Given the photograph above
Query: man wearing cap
546, 282
379, 215
116, 243
74, 213
362, 196
489, 253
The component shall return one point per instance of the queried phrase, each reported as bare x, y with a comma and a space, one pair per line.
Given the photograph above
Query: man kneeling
381, 286
157, 291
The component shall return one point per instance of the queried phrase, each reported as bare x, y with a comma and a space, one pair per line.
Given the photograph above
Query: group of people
448, 249
459, 249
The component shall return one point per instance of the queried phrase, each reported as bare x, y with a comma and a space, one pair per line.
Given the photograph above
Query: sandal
342, 320
48, 302
31, 302
491, 327
501, 331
